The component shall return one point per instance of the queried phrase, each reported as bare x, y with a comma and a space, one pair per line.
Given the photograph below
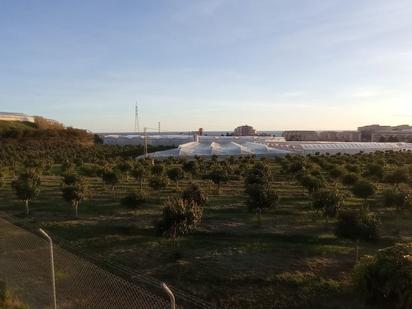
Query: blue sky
216, 64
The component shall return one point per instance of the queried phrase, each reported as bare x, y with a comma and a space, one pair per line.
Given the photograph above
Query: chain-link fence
25, 268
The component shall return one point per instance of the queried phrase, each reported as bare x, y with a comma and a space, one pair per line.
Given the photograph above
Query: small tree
180, 217
191, 167
75, 194
398, 176
311, 183
356, 226
134, 200
125, 167
111, 178
217, 176
193, 193
385, 280
350, 179
363, 189
27, 187
71, 179
261, 197
400, 198
175, 174
139, 174
158, 170
158, 182
328, 202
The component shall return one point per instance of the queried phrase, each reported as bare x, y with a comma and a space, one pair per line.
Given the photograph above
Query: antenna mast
136, 119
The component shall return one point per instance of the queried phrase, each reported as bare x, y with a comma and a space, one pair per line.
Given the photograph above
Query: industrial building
378, 133
16, 117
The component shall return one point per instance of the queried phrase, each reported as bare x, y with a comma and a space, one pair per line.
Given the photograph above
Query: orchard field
284, 244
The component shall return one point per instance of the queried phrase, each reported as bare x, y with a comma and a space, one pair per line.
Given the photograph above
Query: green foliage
158, 182
75, 193
258, 188
111, 178
398, 197
357, 225
180, 217
397, 176
374, 171
328, 202
385, 280
350, 179
363, 189
261, 197
311, 183
217, 176
175, 174
134, 200
27, 187
193, 193
71, 179
158, 170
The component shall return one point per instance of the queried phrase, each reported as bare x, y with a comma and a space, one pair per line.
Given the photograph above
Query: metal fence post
51, 267
171, 296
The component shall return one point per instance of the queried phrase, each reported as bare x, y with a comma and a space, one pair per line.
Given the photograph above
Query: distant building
16, 117
378, 133
244, 131
300, 135
339, 136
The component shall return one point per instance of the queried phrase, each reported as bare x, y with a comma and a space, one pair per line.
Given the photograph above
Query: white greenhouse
207, 149
272, 149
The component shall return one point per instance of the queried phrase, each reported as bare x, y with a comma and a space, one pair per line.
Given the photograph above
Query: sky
216, 64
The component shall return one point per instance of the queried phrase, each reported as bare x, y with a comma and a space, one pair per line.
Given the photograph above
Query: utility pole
136, 119
145, 142
158, 127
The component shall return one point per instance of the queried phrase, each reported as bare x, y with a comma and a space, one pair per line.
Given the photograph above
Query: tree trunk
141, 184
259, 213
76, 209
356, 251
26, 203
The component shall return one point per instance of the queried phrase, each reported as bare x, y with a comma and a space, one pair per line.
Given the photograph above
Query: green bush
193, 193
180, 217
385, 280
357, 225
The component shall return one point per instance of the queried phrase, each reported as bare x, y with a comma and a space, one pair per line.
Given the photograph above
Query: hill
42, 130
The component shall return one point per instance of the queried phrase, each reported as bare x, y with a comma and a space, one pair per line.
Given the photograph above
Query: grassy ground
292, 260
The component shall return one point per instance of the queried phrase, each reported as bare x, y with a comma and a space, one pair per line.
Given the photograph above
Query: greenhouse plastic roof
231, 148
220, 149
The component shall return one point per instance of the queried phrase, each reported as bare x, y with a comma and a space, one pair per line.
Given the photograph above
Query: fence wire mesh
25, 270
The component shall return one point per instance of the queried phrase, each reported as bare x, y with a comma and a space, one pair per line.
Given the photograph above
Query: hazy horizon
275, 65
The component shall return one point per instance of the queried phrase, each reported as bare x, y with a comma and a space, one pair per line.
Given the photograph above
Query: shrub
193, 193
180, 217
328, 202
350, 179
261, 197
357, 225
385, 280
158, 182
175, 174
363, 189
134, 200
